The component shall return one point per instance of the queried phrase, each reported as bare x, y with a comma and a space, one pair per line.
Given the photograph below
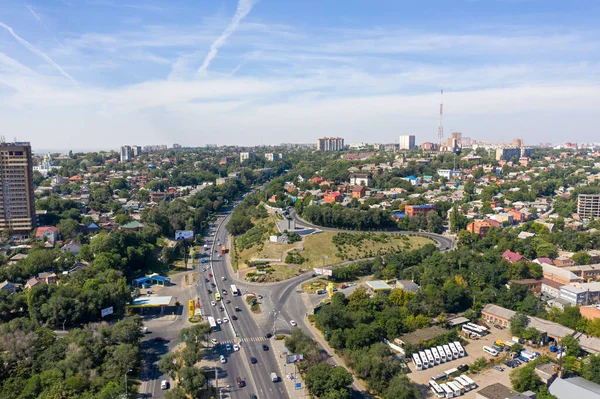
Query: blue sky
102, 73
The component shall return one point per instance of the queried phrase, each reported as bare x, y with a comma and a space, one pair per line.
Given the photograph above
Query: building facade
17, 206
126, 153
588, 206
407, 142
246, 155
330, 144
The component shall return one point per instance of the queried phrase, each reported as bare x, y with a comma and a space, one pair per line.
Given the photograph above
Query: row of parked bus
475, 330
450, 389
438, 354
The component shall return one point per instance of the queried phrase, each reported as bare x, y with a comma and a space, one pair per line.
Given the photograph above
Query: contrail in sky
40, 53
243, 9
42, 23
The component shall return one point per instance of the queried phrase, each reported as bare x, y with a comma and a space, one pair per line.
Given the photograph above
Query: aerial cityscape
334, 200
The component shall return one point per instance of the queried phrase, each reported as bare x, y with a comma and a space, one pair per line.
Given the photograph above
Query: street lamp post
126, 392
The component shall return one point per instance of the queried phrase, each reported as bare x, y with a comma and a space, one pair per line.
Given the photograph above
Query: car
213, 285
164, 384
218, 255
203, 261
260, 297
498, 368
219, 321
214, 341
225, 320
236, 347
204, 269
213, 303
238, 309
223, 359
253, 397
210, 275
228, 347
253, 360
233, 317
265, 347
221, 308
462, 367
224, 291
158, 339
223, 278
227, 301
209, 291
293, 323
498, 326
206, 280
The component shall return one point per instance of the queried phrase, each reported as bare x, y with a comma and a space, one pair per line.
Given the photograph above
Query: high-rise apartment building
126, 153
407, 142
136, 150
455, 140
517, 142
330, 144
246, 155
17, 206
588, 206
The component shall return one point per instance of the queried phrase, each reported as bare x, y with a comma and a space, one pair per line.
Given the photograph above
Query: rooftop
498, 391
575, 387
153, 301
378, 285
423, 334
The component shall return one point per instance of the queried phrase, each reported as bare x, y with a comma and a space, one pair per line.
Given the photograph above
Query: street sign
298, 385
106, 312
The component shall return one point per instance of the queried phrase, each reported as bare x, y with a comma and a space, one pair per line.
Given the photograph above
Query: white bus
448, 353
459, 348
436, 355
424, 360
469, 380
491, 351
442, 353
430, 357
211, 323
417, 362
481, 329
456, 390
528, 354
435, 388
449, 392
453, 350
462, 382
234, 290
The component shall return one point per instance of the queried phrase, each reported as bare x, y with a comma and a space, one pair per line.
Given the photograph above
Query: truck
223, 250
499, 343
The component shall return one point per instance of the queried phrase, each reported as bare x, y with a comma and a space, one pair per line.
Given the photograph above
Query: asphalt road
445, 243
244, 330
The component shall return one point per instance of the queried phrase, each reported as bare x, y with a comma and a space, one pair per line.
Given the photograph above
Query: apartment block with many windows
17, 206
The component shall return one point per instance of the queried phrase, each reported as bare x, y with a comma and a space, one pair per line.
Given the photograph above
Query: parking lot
474, 350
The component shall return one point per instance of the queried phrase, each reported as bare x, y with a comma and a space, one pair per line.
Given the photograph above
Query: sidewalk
357, 385
288, 369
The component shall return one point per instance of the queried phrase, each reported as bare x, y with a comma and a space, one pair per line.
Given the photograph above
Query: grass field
319, 245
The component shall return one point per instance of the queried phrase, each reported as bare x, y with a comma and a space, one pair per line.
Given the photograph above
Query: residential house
331, 197
479, 227
47, 278
534, 285
47, 233
511, 256
358, 191
416, 210
8, 287
362, 179
32, 282
72, 246
132, 226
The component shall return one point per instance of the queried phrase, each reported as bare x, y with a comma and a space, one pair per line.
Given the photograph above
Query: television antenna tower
441, 126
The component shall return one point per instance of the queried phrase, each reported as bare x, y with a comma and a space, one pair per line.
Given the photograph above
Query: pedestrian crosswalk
251, 339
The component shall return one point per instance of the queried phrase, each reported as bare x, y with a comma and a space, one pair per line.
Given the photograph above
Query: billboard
106, 312
318, 271
294, 358
327, 272
322, 272
184, 235
330, 289
191, 308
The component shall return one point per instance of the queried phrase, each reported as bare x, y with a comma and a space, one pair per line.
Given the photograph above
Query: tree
193, 380
525, 379
401, 388
571, 344
590, 370
169, 364
323, 379
518, 324
67, 227
582, 258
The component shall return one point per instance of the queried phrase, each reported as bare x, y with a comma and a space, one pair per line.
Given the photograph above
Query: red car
210, 275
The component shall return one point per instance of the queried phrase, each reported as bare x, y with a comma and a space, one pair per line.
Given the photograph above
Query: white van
164, 384
491, 351
274, 377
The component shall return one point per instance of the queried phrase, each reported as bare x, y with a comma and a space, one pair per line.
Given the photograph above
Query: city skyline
102, 73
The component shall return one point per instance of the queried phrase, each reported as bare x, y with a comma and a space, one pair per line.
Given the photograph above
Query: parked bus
436, 355
457, 389
471, 331
442, 353
211, 323
449, 392
491, 351
463, 383
477, 328
417, 362
424, 360
529, 355
448, 352
459, 348
435, 388
453, 350
469, 380
430, 357
217, 296
234, 290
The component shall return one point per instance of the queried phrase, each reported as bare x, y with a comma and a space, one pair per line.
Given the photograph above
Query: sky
103, 73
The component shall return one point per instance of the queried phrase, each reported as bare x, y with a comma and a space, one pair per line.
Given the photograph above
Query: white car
228, 347
214, 341
219, 321
223, 359
293, 323
223, 278
225, 320
236, 347
213, 303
